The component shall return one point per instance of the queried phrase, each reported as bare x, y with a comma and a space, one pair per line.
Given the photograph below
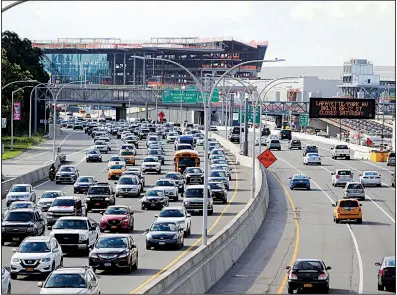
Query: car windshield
50, 195
100, 143
371, 174
194, 193
217, 174
66, 169
62, 280
355, 186
98, 190
34, 247
19, 189
215, 185
116, 167
344, 172
116, 159
341, 147
148, 160
112, 242
164, 183
184, 147
70, 224
14, 206
393, 155
193, 170
390, 262
345, 204
125, 147
219, 161
128, 180
171, 213
155, 193
85, 179
19, 216
63, 202
308, 266
312, 155
172, 175
116, 211
300, 177
93, 152
274, 141
166, 226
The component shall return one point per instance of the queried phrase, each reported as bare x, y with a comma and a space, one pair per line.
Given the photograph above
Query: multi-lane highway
151, 262
299, 224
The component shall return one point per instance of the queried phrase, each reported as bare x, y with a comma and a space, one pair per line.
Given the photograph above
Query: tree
20, 54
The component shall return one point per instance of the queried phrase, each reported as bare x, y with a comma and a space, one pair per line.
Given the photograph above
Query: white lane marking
360, 262
391, 218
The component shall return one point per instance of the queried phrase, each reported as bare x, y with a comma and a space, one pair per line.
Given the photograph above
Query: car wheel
9, 289
147, 246
308, 188
379, 184
224, 201
337, 220
292, 188
348, 158
359, 220
380, 287
57, 182
290, 291
14, 276
135, 266
210, 212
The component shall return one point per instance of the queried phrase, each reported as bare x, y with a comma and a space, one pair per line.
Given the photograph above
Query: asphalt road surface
299, 224
150, 261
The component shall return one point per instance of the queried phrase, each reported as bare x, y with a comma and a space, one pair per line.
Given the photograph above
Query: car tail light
382, 272
293, 276
322, 276
337, 176
351, 176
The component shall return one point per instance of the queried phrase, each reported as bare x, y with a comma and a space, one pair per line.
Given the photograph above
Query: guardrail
31, 177
199, 271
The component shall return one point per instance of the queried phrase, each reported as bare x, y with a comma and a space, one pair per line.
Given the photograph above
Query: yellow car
115, 171
128, 157
346, 210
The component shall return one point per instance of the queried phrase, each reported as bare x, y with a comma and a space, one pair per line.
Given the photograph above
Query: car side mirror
360, 174
49, 227
156, 215
377, 263
361, 205
14, 250
92, 227
289, 177
115, 182
7, 191
328, 268
101, 212
146, 230
94, 284
332, 173
188, 215
56, 250
380, 175
333, 205
40, 284
288, 267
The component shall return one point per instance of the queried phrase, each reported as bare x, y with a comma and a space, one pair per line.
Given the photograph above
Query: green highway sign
190, 96
304, 120
250, 116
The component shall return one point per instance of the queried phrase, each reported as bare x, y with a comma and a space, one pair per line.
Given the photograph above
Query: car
116, 160
156, 146
65, 206
116, 170
165, 234
116, 252
309, 274
22, 205
129, 147
354, 190
341, 177
75, 232
217, 157
78, 126
299, 181
200, 140
47, 198
93, 156
347, 209
218, 191
20, 192
138, 172
128, 156
178, 178
393, 179
285, 134
107, 141
66, 173
193, 175
169, 186
340, 151
193, 199
119, 218
151, 164
83, 183
234, 137
368, 178
100, 146
152, 139
387, 274
295, 144
274, 144
218, 161
220, 174
157, 153
310, 149
183, 146
99, 196
217, 151
223, 166
21, 223
312, 158
154, 198
391, 159
71, 280
128, 186
36, 256
5, 281
177, 214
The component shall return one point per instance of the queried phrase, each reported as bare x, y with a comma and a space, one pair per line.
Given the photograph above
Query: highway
299, 224
151, 262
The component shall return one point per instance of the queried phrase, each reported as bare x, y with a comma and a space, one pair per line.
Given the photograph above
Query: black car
165, 234
143, 133
114, 252
295, 144
82, 184
21, 223
177, 176
310, 149
308, 274
100, 196
234, 137
387, 274
265, 132
154, 199
285, 134
66, 174
93, 156
193, 175
219, 192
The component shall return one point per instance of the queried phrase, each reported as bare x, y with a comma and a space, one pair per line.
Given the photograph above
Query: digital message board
342, 108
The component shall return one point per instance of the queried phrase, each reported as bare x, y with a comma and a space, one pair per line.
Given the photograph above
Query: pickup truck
340, 151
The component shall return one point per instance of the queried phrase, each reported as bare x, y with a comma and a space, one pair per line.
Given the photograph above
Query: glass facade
64, 68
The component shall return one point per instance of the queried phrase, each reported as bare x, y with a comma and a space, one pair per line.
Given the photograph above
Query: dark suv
100, 196
21, 223
310, 149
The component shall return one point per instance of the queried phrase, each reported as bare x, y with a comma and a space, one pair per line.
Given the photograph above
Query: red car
117, 218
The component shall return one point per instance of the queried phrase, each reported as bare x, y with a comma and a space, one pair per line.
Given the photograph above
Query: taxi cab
116, 170
128, 156
346, 210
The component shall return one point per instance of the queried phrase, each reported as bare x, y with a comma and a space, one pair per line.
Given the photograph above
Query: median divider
197, 272
28, 178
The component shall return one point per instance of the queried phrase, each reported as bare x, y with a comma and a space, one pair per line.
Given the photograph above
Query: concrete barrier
200, 270
31, 177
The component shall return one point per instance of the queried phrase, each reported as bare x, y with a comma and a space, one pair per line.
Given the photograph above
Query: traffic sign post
161, 115
267, 158
304, 120
189, 96
250, 116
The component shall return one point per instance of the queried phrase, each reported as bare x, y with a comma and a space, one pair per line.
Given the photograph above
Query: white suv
151, 164
176, 214
36, 256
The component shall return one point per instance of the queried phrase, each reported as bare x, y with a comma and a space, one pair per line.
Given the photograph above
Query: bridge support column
197, 117
279, 122
121, 113
147, 112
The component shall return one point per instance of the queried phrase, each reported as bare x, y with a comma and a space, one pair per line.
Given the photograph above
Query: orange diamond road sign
267, 158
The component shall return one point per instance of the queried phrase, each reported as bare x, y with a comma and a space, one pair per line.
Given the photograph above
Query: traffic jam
44, 228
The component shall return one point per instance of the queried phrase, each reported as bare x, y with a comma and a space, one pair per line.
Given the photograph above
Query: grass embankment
20, 144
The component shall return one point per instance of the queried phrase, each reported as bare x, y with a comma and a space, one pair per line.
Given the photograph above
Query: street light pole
30, 106
21, 81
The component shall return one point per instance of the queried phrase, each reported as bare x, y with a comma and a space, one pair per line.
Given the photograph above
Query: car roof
37, 239
195, 186
74, 217
24, 210
370, 172
172, 208
53, 191
69, 198
308, 259
164, 221
118, 235
70, 270
21, 184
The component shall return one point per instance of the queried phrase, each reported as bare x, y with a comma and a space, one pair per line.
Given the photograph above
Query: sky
317, 33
